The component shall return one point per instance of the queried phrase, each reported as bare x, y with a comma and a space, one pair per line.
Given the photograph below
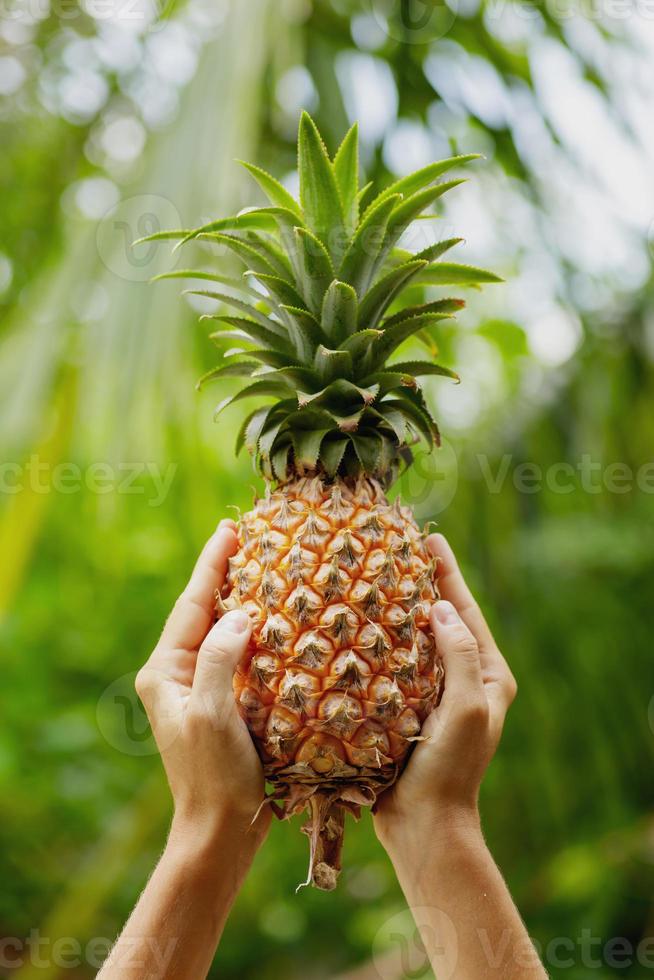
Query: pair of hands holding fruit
428, 821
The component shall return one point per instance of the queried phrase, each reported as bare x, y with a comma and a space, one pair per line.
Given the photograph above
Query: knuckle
144, 683
474, 711
511, 686
212, 653
463, 644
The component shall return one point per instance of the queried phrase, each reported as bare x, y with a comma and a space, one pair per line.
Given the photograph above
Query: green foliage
88, 578
331, 322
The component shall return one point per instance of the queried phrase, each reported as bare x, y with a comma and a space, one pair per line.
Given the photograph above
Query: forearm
469, 925
176, 925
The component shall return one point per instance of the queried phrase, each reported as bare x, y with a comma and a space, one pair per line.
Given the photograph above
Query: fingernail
235, 621
446, 613
225, 523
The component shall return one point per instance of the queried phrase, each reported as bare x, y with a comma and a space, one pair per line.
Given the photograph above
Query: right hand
442, 778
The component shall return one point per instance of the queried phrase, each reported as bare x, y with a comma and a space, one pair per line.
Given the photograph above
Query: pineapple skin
342, 668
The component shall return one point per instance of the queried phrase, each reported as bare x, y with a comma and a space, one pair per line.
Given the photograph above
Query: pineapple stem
324, 829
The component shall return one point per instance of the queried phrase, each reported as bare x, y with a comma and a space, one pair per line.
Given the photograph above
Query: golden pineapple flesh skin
342, 669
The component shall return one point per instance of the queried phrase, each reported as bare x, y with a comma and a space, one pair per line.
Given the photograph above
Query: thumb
220, 654
460, 652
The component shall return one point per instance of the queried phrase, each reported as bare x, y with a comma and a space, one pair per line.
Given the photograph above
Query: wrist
210, 839
429, 828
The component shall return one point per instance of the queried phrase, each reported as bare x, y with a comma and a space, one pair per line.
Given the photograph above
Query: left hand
212, 766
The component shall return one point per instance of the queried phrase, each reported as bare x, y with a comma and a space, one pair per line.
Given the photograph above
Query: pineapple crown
321, 315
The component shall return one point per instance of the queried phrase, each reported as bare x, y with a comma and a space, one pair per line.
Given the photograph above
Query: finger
228, 522
499, 683
464, 688
452, 586
222, 651
194, 611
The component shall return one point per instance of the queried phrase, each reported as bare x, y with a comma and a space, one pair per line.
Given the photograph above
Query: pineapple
342, 668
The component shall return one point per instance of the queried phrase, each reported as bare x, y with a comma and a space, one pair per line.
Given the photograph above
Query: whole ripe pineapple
342, 669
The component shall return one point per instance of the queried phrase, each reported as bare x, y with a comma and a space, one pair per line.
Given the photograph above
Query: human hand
213, 769
440, 784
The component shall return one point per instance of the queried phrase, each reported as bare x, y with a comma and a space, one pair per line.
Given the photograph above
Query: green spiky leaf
346, 171
275, 192
341, 297
381, 295
367, 246
339, 315
319, 196
316, 270
453, 274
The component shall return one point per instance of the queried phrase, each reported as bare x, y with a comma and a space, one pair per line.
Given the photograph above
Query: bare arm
215, 778
429, 822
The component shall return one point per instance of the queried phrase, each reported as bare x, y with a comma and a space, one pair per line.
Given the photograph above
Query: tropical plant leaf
381, 295
275, 192
340, 393
395, 335
418, 369
319, 197
305, 332
395, 419
256, 258
242, 305
302, 378
279, 460
331, 453
433, 252
339, 311
236, 368
346, 171
454, 274
418, 418
448, 305
250, 423
360, 343
332, 364
282, 291
253, 331
412, 207
206, 276
271, 358
258, 219
316, 269
362, 256
258, 389
368, 448
306, 444
409, 185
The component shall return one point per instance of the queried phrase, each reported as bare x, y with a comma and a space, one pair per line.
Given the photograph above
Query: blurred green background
119, 118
